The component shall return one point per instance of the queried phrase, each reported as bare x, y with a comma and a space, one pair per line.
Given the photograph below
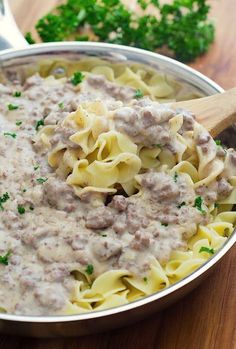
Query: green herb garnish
218, 142
20, 209
31, 208
61, 105
36, 167
216, 205
4, 259
17, 94
10, 134
198, 204
77, 78
164, 224
89, 269
38, 124
138, 93
145, 279
180, 26
12, 106
18, 123
176, 177
29, 39
3, 199
42, 180
207, 249
182, 204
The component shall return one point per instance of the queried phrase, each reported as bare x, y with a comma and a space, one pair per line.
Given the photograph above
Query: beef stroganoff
107, 195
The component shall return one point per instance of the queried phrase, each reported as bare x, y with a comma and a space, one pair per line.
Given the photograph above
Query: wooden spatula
215, 112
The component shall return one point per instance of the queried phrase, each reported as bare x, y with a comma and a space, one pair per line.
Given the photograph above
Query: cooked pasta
107, 195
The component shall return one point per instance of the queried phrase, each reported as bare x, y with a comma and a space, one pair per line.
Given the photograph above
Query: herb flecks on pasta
117, 197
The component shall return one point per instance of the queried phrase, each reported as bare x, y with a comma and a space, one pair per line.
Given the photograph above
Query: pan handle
10, 35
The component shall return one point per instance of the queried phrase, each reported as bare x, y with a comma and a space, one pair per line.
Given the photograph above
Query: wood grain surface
205, 319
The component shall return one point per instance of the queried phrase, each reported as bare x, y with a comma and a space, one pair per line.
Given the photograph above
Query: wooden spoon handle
215, 112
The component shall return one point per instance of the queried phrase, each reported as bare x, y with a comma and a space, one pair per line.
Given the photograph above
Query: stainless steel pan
15, 52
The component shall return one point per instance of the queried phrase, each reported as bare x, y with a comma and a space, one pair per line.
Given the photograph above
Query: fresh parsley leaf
18, 122
36, 167
31, 208
145, 279
42, 180
89, 269
24, 190
17, 94
164, 224
10, 134
20, 209
3, 199
38, 124
77, 78
216, 205
181, 27
138, 93
176, 177
61, 105
182, 204
198, 204
29, 38
207, 249
4, 259
12, 106
218, 142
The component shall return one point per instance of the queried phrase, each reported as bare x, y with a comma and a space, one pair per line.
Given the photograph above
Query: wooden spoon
215, 112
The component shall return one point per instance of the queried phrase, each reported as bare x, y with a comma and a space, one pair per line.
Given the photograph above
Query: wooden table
206, 319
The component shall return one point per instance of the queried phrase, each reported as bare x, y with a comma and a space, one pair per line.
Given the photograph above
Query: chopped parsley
182, 204
180, 26
12, 106
77, 78
4, 259
42, 180
138, 93
176, 177
38, 124
20, 209
61, 105
89, 269
216, 205
31, 208
17, 94
104, 235
18, 122
3, 199
198, 204
24, 190
10, 134
29, 38
145, 279
218, 142
36, 167
164, 224
207, 249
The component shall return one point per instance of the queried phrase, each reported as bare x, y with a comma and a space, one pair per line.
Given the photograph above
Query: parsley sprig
3, 199
207, 249
89, 269
198, 204
181, 26
77, 78
4, 259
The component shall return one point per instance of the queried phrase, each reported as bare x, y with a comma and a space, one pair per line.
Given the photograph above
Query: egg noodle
100, 157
